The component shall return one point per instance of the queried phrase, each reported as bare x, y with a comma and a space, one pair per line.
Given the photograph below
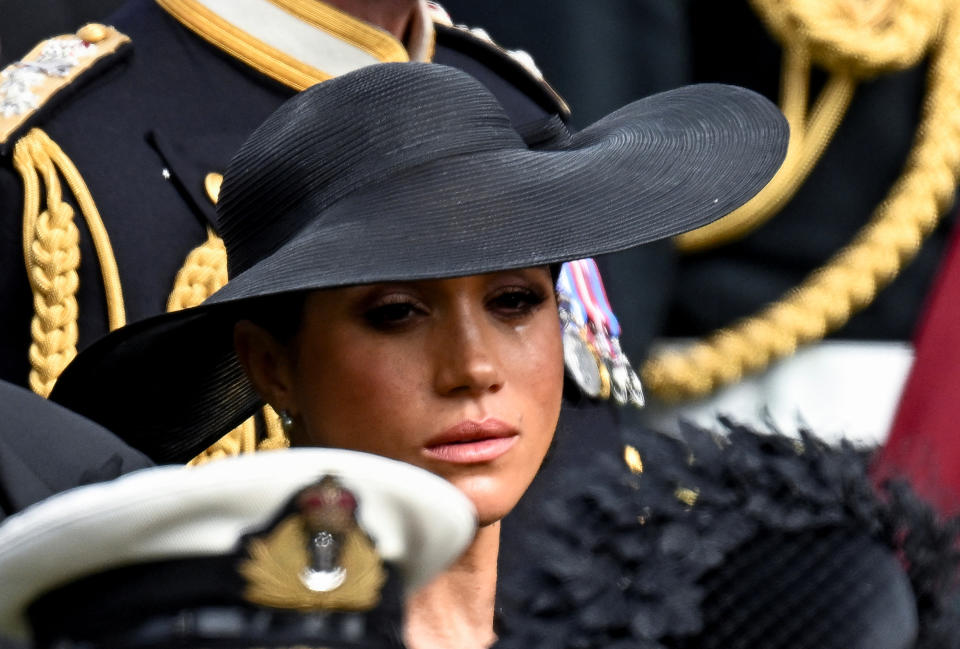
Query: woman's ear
267, 363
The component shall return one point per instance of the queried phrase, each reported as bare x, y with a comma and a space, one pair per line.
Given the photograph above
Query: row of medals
595, 360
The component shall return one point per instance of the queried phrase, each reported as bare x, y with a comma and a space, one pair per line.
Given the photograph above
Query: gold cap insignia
317, 557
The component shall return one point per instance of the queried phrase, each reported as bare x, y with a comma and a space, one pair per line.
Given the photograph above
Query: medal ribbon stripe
599, 295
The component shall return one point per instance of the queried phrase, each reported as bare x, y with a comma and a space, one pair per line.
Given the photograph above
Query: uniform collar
299, 42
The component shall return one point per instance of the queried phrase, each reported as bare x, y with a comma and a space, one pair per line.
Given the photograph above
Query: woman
393, 246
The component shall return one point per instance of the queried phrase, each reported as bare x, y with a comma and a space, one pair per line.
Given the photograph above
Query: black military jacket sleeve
45, 449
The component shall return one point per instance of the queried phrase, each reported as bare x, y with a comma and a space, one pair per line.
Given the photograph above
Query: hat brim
672, 162
420, 522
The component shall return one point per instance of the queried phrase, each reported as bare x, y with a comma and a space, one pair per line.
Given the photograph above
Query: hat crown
344, 134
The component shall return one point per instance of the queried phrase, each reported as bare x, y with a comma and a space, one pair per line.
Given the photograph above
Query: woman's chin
490, 497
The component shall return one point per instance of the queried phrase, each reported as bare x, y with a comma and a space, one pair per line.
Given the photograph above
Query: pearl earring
286, 421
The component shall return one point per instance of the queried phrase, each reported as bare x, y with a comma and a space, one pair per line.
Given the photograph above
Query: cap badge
317, 557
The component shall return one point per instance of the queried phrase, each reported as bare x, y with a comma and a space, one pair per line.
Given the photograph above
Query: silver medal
631, 382
581, 363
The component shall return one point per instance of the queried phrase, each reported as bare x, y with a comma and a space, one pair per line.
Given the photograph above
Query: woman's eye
391, 315
516, 302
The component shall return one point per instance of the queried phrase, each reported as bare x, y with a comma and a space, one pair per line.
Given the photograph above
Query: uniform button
93, 32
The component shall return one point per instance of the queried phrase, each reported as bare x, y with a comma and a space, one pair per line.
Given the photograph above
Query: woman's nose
467, 359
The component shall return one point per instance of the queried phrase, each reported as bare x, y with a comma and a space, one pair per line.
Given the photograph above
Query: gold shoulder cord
51, 249
852, 42
52, 254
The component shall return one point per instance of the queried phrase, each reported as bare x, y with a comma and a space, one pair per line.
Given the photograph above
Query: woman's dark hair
280, 315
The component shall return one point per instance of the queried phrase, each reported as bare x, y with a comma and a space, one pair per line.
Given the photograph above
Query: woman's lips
472, 442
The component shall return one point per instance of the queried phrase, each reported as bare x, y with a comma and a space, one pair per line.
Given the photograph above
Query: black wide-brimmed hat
413, 171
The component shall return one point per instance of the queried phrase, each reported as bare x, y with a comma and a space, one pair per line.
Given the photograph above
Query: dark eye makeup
392, 311
507, 297
515, 301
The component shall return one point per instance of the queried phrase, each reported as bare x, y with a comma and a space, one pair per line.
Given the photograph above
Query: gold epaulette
516, 66
32, 83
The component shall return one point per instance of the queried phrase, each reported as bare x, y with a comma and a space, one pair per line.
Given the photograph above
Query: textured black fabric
198, 602
820, 588
747, 540
45, 449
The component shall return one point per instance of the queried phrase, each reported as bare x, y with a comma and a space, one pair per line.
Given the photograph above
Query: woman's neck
455, 610
393, 16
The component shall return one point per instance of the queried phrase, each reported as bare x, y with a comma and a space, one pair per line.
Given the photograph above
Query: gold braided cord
274, 437
850, 280
116, 313
52, 256
203, 273
809, 137
51, 253
853, 39
863, 37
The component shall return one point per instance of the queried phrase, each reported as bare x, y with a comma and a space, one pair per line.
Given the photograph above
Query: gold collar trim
370, 38
297, 42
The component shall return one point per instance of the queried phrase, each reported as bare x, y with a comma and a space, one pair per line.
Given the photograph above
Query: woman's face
462, 377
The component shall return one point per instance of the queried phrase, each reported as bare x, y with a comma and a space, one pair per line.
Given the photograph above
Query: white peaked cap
419, 522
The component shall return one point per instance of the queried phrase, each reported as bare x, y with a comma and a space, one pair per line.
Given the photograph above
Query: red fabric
924, 441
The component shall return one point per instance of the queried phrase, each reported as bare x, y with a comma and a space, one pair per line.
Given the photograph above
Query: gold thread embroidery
369, 38
277, 561
52, 255
44, 86
241, 45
